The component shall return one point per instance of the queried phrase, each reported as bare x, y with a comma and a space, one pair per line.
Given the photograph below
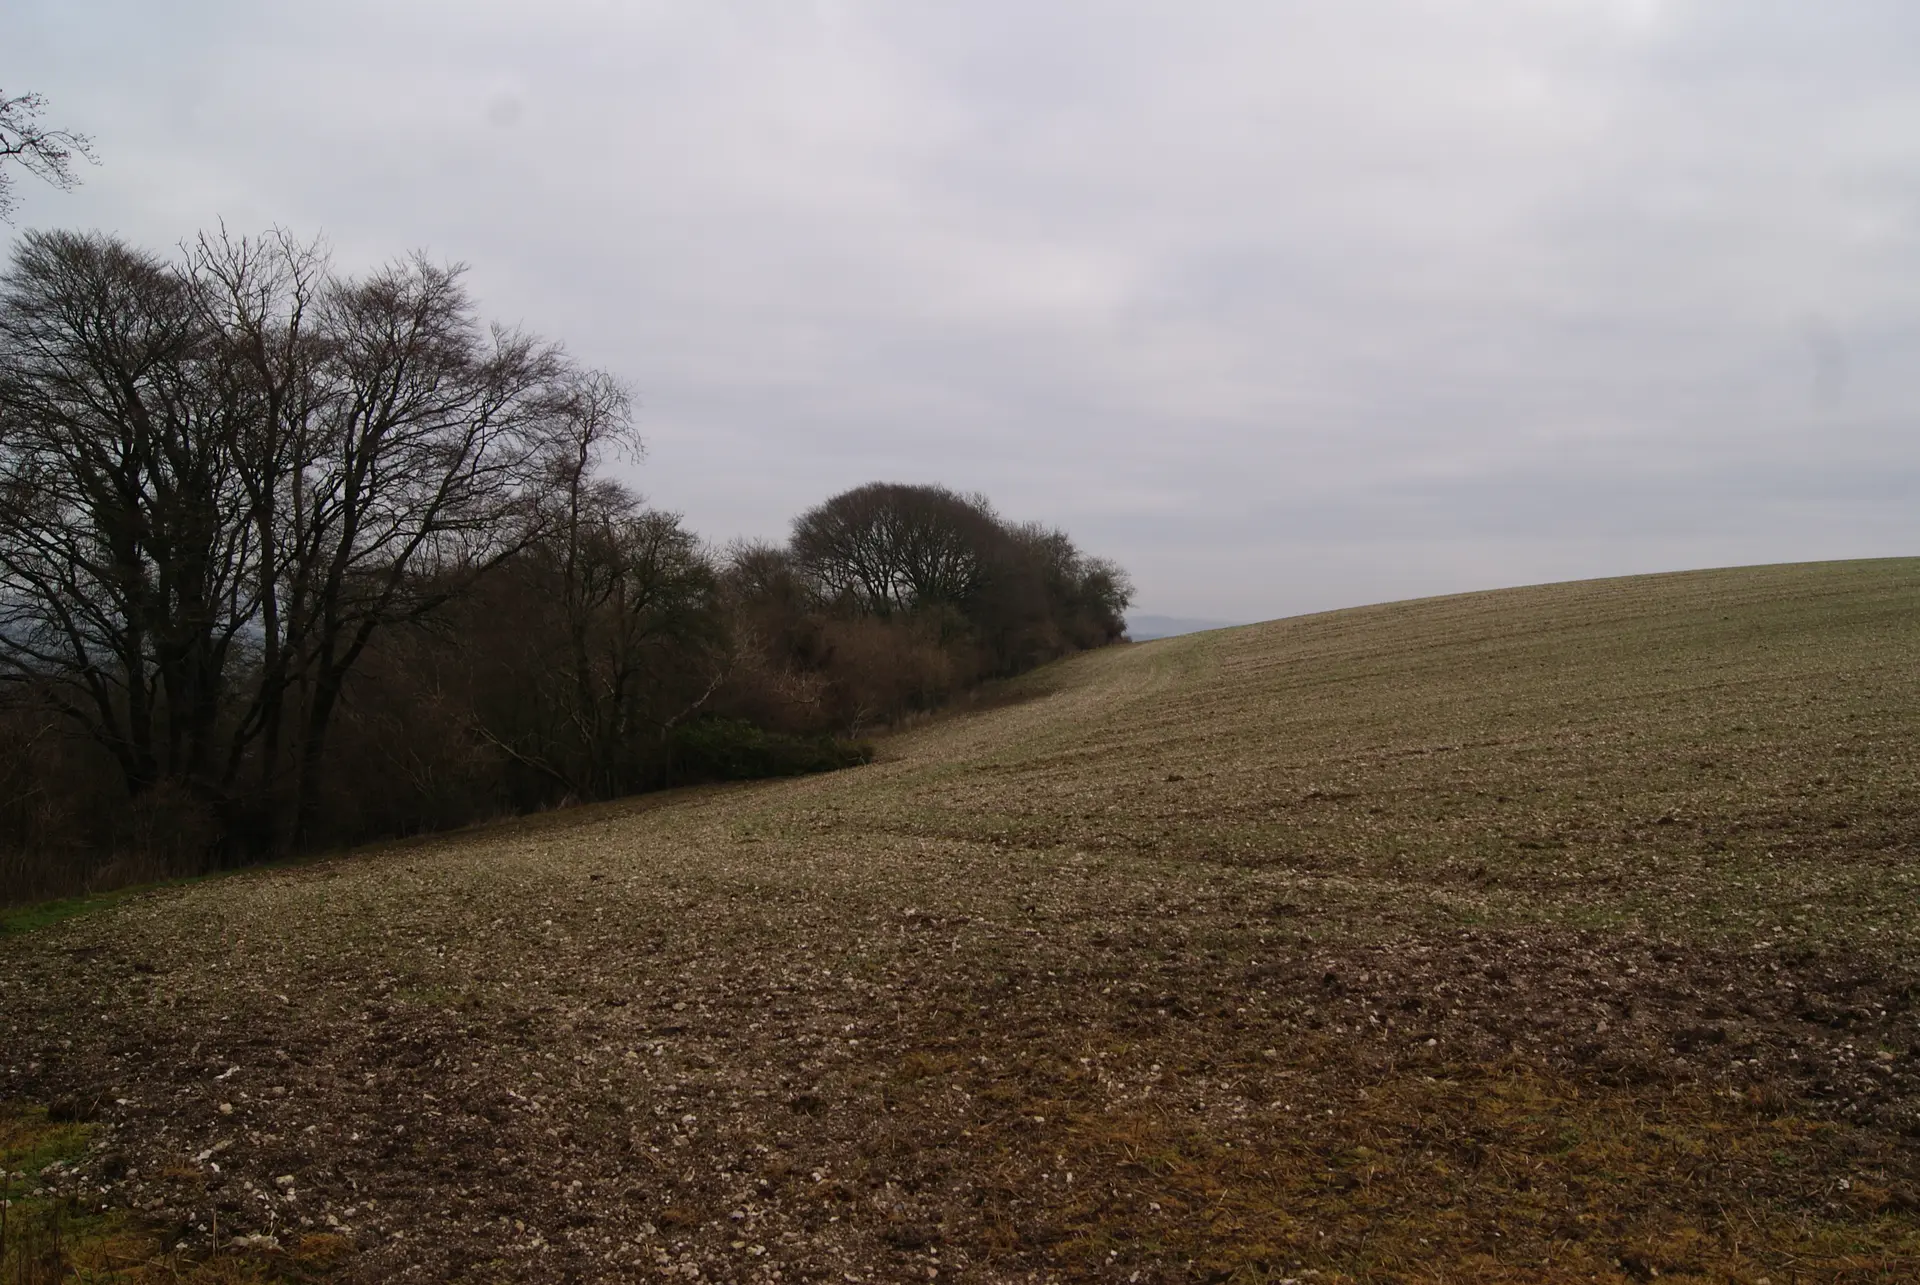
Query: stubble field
1557, 934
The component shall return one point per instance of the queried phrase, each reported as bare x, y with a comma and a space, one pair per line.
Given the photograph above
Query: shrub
730, 749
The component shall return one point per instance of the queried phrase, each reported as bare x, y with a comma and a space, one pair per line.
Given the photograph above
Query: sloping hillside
1564, 933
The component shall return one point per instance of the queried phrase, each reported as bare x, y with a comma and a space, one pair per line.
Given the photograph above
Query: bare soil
1559, 934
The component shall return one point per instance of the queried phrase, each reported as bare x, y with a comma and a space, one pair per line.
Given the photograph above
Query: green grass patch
38, 1228
48, 1233
26, 919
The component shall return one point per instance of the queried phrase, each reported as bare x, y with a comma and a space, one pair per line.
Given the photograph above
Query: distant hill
1144, 628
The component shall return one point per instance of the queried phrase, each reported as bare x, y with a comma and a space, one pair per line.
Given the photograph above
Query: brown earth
1558, 934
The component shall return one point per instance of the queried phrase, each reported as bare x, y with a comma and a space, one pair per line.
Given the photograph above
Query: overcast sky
1283, 306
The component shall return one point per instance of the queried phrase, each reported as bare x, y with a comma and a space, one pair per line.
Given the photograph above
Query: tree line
292, 557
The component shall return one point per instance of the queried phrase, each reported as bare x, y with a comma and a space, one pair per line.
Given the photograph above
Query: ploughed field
1565, 933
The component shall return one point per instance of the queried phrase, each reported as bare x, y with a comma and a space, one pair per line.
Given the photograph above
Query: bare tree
125, 562
45, 153
636, 642
420, 466
219, 479
261, 297
1046, 598
890, 548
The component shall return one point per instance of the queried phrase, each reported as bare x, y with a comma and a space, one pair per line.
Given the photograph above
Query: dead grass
1498, 1173
1554, 934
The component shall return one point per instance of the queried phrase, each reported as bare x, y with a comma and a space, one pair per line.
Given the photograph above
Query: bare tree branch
46, 154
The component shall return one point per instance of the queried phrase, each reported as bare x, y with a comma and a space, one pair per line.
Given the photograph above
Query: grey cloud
1283, 305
